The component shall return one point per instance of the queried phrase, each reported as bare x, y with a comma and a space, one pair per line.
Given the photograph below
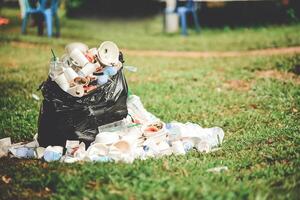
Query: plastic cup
55, 69
178, 148
70, 74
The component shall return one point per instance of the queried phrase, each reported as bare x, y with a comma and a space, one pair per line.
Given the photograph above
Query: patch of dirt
10, 63
28, 45
238, 85
185, 54
279, 75
199, 54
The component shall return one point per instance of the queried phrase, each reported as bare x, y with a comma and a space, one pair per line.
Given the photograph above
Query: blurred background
211, 12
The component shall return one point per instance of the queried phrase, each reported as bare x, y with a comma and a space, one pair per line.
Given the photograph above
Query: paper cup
5, 142
79, 57
93, 52
76, 91
81, 81
72, 143
107, 138
178, 148
115, 154
203, 146
123, 146
98, 149
62, 82
71, 146
80, 153
108, 53
121, 151
164, 149
64, 59
76, 45
88, 69
152, 147
133, 135
70, 74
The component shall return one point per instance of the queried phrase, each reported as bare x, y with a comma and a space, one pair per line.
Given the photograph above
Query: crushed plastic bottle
131, 68
53, 153
102, 79
25, 152
110, 71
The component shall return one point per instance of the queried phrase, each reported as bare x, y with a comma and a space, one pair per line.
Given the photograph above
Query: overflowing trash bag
88, 115
64, 116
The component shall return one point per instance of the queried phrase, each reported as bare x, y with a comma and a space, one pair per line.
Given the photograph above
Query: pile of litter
140, 136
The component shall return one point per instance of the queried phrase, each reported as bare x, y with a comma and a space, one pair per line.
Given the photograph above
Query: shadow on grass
11, 88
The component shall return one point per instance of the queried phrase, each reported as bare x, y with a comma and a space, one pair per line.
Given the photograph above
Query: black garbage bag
65, 117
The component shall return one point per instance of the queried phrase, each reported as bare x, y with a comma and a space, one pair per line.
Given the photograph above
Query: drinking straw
54, 57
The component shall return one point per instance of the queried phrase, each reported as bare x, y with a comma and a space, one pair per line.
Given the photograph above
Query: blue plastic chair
48, 14
183, 11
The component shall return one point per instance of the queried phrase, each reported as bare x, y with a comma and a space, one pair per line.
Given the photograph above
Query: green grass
260, 117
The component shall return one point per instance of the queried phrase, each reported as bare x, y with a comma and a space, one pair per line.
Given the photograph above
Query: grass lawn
256, 100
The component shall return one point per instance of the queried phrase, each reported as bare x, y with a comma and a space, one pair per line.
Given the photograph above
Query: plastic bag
64, 117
